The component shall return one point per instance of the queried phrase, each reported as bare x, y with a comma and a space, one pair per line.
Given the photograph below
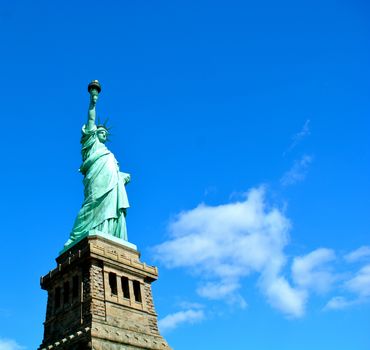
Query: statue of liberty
105, 200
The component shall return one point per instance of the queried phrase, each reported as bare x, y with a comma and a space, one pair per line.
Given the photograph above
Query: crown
103, 125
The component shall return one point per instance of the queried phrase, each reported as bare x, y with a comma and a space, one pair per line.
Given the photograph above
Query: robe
105, 198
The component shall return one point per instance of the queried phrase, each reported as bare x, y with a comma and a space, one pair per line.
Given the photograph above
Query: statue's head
102, 133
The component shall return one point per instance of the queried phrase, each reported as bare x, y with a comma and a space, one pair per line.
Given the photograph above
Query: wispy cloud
360, 283
340, 303
9, 344
313, 272
172, 321
356, 286
359, 254
298, 171
222, 290
299, 136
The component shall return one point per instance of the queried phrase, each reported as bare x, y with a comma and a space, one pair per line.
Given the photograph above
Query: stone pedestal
99, 297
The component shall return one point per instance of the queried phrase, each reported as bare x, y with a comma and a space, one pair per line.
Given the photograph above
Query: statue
105, 200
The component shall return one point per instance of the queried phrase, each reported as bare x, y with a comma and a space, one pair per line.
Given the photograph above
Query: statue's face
102, 135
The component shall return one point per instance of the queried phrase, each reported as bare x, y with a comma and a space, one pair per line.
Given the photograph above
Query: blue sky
245, 127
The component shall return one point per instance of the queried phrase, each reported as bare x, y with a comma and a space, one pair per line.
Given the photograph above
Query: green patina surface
105, 200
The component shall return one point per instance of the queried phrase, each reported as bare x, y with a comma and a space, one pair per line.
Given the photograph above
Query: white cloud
8, 344
224, 290
339, 303
217, 290
172, 321
358, 254
223, 244
360, 283
284, 297
298, 171
312, 271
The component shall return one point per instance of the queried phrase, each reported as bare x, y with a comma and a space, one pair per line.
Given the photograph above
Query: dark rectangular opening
57, 298
66, 292
113, 283
75, 287
137, 292
125, 287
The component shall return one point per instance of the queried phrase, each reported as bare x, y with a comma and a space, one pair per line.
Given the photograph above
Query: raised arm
94, 89
91, 114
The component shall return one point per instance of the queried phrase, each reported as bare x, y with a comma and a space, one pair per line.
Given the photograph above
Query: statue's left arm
126, 178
